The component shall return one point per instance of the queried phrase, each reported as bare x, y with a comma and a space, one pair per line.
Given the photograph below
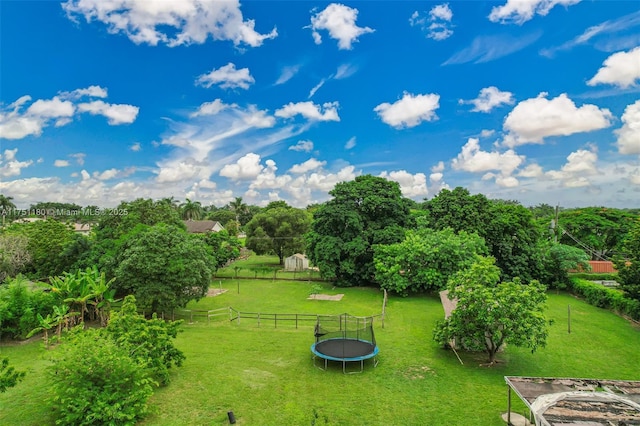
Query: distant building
82, 228
202, 226
297, 262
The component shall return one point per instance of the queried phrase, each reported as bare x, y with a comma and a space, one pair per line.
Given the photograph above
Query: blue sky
531, 100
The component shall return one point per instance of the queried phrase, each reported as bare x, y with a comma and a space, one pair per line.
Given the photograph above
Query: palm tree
192, 210
6, 206
238, 207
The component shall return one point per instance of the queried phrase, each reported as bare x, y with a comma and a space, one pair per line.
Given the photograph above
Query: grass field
266, 375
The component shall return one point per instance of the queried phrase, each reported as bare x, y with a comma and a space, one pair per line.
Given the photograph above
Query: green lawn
267, 377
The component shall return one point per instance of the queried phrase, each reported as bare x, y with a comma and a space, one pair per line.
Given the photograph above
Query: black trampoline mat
345, 348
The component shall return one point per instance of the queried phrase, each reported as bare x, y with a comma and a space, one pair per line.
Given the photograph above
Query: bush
20, 306
594, 276
603, 297
149, 341
95, 382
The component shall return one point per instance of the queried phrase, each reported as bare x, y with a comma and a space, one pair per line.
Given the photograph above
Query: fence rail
274, 318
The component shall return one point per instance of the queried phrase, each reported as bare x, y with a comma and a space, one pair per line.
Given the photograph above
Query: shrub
608, 298
594, 276
95, 382
20, 306
149, 342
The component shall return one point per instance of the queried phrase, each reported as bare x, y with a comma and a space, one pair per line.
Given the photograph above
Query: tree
192, 210
490, 313
14, 255
559, 259
225, 246
164, 267
149, 341
238, 207
6, 207
598, 230
9, 377
366, 211
425, 259
279, 230
47, 242
628, 265
511, 234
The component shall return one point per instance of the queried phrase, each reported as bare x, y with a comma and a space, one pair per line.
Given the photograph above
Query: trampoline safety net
345, 336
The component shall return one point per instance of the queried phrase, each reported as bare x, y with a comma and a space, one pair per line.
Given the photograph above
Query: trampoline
344, 338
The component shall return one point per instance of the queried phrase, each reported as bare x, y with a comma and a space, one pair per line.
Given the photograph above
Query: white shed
297, 262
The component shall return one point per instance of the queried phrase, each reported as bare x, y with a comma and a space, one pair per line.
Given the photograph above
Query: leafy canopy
490, 313
363, 212
425, 259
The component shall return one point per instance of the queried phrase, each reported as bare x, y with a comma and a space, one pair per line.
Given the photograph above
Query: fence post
258, 319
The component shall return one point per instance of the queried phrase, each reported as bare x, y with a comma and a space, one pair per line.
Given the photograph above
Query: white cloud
411, 185
437, 25
409, 111
79, 157
351, 143
611, 43
536, 118
438, 168
51, 108
340, 21
115, 113
575, 172
307, 166
212, 108
188, 21
136, 147
254, 117
91, 91
521, 11
327, 112
487, 133
10, 166
267, 179
317, 87
489, 98
107, 174
629, 134
305, 146
486, 48
287, 73
531, 171
473, 159
59, 111
227, 77
61, 163
621, 69
344, 71
246, 168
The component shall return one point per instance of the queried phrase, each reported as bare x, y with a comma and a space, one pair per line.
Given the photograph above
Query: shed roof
574, 402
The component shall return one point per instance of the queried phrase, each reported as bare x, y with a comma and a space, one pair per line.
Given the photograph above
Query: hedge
603, 297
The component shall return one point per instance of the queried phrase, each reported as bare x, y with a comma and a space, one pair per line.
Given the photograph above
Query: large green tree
628, 263
164, 267
278, 229
598, 230
425, 259
47, 243
511, 234
363, 212
490, 313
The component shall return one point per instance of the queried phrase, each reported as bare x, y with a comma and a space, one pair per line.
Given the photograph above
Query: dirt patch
418, 372
334, 297
213, 292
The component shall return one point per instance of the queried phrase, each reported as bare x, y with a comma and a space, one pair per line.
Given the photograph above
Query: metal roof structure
578, 402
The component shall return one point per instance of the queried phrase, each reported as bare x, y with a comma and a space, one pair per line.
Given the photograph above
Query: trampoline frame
344, 361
